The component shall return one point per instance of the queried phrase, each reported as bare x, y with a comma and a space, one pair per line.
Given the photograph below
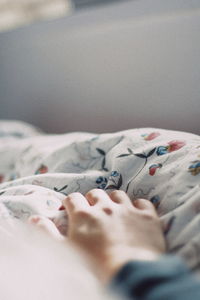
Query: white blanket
38, 170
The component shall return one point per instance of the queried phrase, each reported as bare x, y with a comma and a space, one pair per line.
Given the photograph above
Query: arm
163, 279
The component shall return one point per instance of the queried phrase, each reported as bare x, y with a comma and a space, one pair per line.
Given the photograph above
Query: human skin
111, 230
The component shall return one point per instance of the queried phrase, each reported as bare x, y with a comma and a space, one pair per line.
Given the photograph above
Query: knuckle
74, 195
107, 210
117, 193
114, 193
95, 192
80, 212
148, 215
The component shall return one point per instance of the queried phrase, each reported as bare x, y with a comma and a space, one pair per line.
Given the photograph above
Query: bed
97, 86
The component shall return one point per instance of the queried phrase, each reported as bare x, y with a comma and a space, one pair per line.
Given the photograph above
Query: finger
98, 197
144, 204
46, 225
120, 197
76, 202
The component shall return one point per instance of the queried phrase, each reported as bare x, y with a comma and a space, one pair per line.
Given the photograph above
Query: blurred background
100, 66
14, 13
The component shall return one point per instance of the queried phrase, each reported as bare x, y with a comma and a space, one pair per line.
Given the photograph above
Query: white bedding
38, 170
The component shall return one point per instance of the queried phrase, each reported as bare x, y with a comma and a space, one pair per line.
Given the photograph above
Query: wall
130, 64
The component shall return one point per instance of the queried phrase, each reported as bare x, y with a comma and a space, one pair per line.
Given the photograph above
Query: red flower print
153, 168
151, 136
61, 207
42, 169
175, 145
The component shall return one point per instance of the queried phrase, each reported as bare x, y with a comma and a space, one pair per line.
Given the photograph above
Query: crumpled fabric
38, 170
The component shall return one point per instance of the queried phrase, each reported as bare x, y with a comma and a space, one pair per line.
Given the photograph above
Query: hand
46, 225
111, 230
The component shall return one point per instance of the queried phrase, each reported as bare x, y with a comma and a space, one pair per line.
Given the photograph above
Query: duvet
38, 170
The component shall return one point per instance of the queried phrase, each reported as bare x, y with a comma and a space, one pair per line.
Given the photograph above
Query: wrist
119, 257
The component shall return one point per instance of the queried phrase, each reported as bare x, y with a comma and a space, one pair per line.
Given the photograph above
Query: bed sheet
38, 170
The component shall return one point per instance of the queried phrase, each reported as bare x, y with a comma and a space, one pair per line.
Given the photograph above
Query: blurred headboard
125, 65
